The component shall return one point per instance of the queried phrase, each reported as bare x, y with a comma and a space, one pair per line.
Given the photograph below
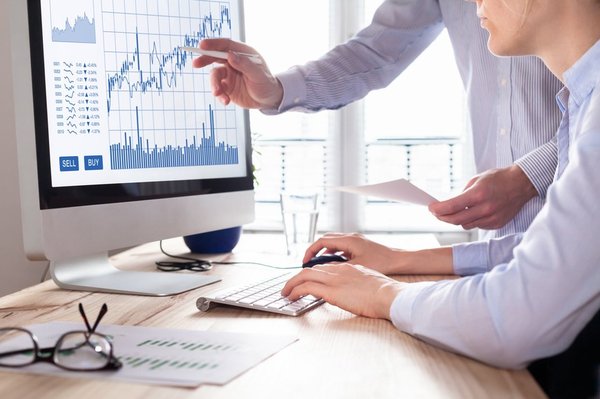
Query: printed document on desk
397, 190
163, 356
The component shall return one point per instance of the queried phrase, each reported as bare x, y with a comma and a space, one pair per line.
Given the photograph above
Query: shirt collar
583, 75
562, 99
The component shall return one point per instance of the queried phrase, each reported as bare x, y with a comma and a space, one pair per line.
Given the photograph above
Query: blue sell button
69, 164
93, 162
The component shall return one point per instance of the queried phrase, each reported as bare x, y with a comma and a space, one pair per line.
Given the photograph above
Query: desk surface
338, 355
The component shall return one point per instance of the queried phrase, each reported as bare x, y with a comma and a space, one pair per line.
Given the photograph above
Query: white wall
16, 272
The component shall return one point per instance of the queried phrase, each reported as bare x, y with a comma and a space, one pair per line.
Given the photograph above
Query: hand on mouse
358, 250
362, 251
354, 288
325, 258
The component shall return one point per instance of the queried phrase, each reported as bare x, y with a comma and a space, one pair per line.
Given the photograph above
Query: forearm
426, 261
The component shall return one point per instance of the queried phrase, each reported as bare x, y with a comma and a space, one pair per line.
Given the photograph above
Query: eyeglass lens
81, 351
17, 347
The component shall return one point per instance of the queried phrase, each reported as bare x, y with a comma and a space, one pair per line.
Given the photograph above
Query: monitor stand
97, 274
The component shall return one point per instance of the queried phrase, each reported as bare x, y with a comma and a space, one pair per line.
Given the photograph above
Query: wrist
404, 262
275, 101
386, 296
526, 189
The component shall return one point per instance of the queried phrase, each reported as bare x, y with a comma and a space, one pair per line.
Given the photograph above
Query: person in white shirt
511, 101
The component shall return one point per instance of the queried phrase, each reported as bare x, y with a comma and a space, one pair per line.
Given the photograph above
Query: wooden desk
338, 355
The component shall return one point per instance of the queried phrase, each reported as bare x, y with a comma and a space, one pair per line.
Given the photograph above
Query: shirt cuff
540, 166
401, 311
470, 258
294, 92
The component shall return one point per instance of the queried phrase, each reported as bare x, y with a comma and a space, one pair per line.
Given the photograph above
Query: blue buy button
93, 162
69, 164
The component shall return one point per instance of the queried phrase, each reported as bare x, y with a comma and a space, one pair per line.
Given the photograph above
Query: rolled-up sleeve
540, 166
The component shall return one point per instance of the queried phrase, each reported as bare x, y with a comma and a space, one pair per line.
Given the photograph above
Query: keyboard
264, 295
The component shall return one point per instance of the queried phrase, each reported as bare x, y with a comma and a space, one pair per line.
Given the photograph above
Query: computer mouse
325, 258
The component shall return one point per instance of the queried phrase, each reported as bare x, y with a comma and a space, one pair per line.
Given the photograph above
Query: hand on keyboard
262, 295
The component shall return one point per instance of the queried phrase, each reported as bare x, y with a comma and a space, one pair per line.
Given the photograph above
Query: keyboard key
279, 303
264, 302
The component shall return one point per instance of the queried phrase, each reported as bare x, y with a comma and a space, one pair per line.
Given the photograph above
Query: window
415, 128
289, 148
400, 137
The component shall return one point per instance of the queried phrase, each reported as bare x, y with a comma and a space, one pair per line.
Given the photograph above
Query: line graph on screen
160, 111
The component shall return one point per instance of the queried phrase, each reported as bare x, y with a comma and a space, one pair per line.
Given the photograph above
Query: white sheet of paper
166, 356
397, 190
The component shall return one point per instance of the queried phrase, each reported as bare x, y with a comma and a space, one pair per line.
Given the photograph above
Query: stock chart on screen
124, 103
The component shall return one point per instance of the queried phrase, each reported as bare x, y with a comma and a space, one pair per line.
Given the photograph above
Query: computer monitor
120, 141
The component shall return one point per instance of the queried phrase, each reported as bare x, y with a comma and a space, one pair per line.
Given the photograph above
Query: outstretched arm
399, 32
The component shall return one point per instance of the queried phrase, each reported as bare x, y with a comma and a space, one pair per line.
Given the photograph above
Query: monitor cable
201, 265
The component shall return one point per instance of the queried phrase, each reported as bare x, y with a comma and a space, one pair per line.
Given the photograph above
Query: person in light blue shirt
527, 296
511, 101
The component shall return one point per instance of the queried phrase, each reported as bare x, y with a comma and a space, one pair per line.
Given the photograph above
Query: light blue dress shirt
510, 100
543, 286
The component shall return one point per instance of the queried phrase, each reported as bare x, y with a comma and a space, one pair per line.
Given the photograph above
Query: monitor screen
127, 134
125, 111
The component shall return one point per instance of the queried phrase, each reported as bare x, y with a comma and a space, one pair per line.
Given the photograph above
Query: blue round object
214, 242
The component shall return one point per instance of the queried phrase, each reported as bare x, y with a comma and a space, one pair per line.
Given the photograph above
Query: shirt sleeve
535, 305
540, 166
481, 256
399, 32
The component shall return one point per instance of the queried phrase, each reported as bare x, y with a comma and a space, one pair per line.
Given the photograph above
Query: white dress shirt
510, 100
543, 286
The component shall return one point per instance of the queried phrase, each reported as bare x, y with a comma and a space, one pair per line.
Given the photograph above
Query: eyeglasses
74, 350
193, 264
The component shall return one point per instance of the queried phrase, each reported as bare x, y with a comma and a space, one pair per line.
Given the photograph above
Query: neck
576, 33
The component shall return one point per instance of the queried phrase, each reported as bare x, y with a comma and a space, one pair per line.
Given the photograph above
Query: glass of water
300, 214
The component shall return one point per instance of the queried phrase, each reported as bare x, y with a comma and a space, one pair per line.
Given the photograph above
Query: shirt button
503, 82
503, 132
296, 100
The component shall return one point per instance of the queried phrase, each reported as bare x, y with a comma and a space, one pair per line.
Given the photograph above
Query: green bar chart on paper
193, 356
186, 345
192, 348
172, 357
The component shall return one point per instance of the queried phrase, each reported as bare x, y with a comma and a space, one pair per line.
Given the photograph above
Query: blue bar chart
132, 154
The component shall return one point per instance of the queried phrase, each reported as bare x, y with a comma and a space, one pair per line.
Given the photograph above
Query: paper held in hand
397, 190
